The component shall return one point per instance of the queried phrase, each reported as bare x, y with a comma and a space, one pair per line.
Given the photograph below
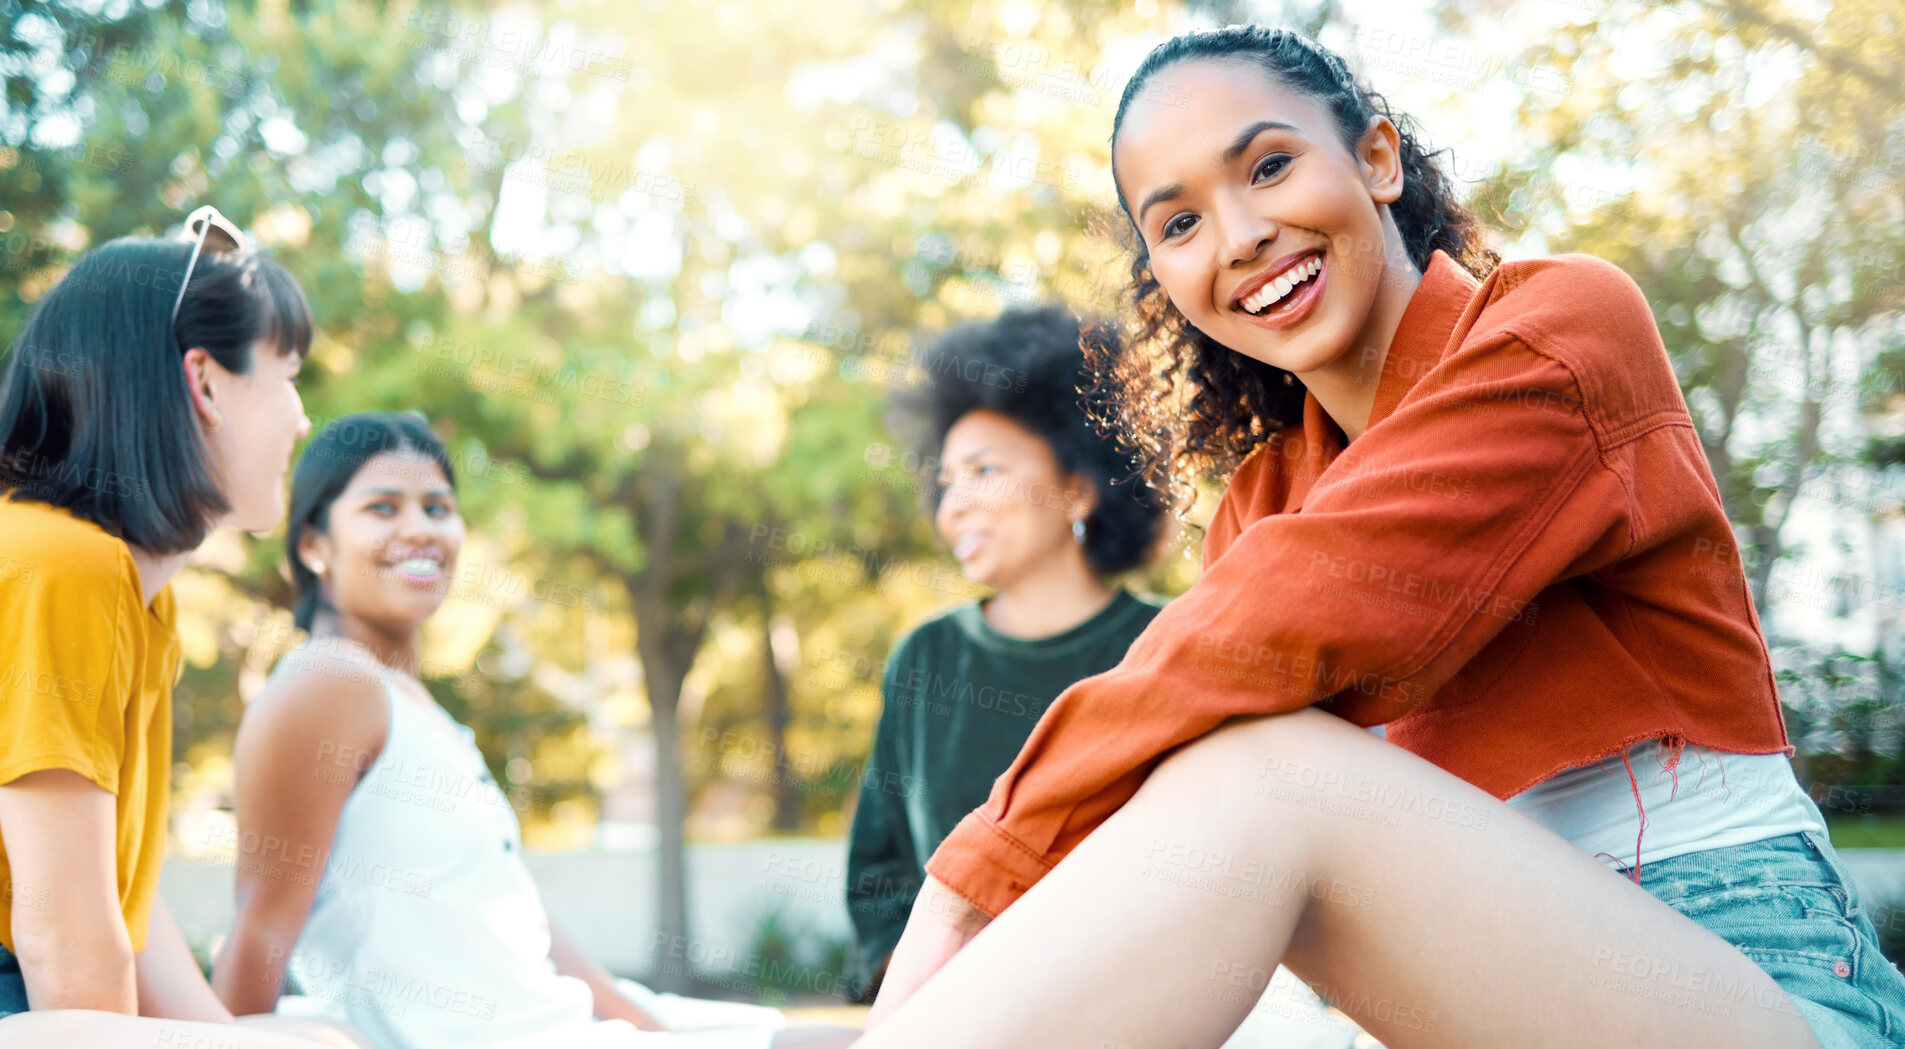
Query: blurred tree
1742, 161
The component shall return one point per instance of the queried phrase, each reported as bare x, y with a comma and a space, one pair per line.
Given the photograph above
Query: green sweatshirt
960, 700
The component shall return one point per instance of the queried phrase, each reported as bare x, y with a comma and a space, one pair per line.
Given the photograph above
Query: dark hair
1029, 365
1195, 407
95, 413
325, 469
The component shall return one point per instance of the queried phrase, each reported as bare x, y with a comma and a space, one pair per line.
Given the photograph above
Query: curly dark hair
1030, 365
1194, 407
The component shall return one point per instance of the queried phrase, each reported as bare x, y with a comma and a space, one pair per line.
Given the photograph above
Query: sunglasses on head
211, 231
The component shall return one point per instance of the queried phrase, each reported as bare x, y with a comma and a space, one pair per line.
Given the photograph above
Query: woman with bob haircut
1466, 503
149, 399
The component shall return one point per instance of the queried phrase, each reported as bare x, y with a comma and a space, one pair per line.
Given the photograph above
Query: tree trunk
774, 702
672, 947
668, 632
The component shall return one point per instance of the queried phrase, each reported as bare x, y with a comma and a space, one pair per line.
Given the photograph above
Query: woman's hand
941, 924
610, 1002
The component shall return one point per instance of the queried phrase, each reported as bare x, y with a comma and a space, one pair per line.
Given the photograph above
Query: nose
416, 527
954, 501
1242, 233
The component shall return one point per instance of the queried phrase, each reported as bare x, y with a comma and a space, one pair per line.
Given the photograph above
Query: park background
652, 269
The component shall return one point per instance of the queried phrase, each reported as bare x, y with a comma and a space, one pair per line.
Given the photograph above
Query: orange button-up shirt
1521, 566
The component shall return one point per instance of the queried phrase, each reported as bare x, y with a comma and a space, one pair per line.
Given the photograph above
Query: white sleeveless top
1705, 800
427, 931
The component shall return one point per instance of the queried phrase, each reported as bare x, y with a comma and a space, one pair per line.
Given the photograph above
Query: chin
260, 520
413, 606
396, 617
415, 617
1314, 350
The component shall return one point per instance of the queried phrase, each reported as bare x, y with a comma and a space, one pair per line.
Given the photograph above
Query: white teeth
1277, 289
965, 547
420, 567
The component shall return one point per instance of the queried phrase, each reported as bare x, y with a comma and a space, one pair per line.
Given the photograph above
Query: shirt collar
1421, 338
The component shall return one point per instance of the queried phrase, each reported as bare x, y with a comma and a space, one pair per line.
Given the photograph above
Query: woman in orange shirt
149, 399
1472, 509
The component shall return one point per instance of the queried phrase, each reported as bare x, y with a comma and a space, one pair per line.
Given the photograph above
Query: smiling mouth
1283, 291
967, 546
418, 569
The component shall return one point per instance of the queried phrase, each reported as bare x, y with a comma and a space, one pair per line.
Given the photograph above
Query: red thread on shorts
1675, 745
1632, 782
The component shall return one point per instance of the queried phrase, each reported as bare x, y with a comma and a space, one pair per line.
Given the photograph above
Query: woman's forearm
251, 968
610, 1003
170, 984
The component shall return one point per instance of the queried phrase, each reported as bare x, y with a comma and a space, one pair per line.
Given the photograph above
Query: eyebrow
974, 454
441, 493
1230, 154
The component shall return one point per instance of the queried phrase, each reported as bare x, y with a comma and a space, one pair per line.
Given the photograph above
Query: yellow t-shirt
86, 676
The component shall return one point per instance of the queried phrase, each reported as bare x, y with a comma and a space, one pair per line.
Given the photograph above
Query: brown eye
1271, 166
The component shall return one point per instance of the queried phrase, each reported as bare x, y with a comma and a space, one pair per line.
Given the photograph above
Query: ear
1380, 155
314, 548
1081, 497
201, 379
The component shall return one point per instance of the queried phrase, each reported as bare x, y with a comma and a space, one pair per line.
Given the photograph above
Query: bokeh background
653, 268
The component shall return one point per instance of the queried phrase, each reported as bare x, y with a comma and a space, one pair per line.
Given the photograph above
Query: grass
1851, 831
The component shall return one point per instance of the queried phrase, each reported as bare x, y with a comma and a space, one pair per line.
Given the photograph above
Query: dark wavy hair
95, 413
325, 469
1029, 365
1192, 406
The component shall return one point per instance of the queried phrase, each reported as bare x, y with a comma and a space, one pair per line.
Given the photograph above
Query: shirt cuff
986, 865
106, 778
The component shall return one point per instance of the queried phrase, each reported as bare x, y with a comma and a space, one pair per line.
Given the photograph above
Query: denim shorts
1787, 903
12, 985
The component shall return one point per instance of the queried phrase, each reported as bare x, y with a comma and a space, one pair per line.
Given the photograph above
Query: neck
1048, 601
1346, 387
397, 649
156, 570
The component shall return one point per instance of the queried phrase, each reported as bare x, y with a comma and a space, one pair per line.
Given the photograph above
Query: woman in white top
380, 865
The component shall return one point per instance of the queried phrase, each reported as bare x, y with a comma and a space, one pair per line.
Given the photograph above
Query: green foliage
1845, 712
789, 959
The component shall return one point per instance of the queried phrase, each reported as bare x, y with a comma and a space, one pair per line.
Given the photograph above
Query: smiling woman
395, 896
1028, 497
1464, 501
1303, 173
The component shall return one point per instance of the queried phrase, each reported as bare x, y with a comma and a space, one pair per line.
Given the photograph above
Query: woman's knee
1309, 741
1235, 767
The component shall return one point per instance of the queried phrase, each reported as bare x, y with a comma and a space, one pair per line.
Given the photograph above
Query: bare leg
333, 1034
1430, 912
89, 1029
814, 1037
